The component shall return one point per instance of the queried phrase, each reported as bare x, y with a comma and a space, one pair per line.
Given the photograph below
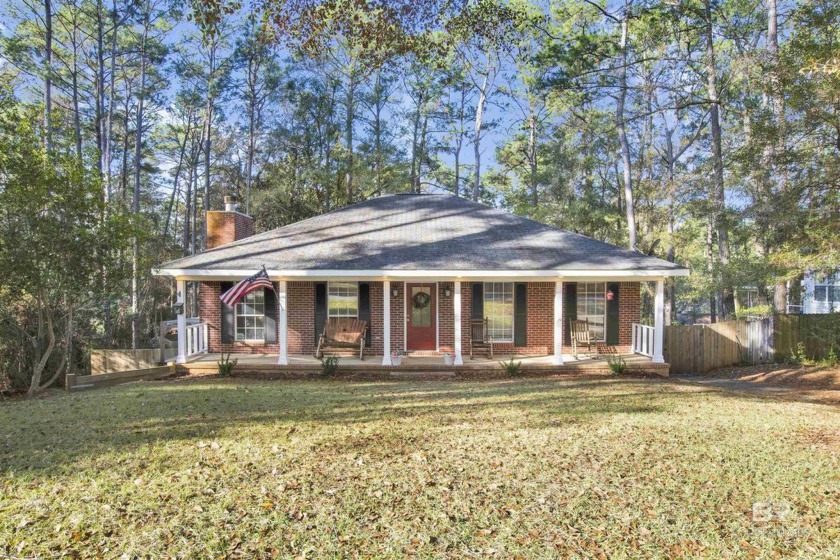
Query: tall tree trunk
424, 132
532, 154
350, 115
727, 295
109, 122
629, 205
188, 200
377, 132
182, 148
253, 73
100, 95
459, 140
208, 131
135, 201
415, 146
670, 298
77, 119
48, 75
479, 116
778, 146
710, 266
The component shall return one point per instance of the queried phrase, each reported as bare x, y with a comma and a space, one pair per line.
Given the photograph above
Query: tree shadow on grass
53, 434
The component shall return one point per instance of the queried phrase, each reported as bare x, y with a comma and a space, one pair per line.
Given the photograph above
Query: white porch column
456, 301
180, 293
659, 323
386, 323
282, 324
557, 358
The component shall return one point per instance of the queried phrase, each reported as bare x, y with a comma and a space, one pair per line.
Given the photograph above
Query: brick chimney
228, 225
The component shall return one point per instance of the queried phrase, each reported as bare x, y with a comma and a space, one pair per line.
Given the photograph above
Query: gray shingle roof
420, 232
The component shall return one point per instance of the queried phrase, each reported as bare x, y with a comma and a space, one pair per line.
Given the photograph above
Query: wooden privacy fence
84, 382
816, 333
702, 348
108, 361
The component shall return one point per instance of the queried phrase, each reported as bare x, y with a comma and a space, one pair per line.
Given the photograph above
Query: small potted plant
447, 359
396, 357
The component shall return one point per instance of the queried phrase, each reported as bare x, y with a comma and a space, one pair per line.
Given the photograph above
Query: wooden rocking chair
480, 340
342, 333
580, 335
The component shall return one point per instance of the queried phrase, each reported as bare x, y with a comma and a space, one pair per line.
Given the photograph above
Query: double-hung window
498, 309
343, 299
827, 294
592, 307
250, 317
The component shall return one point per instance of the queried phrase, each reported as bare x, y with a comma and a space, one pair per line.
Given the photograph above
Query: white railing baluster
642, 339
197, 339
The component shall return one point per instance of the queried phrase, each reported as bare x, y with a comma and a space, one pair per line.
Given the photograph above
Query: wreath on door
420, 300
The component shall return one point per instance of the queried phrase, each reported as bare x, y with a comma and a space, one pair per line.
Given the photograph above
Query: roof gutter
465, 275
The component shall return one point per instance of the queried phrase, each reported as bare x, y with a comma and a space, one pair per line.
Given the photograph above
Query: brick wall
225, 227
540, 318
629, 311
398, 318
377, 316
446, 317
300, 298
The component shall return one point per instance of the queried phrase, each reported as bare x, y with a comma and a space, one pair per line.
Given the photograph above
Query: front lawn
582, 467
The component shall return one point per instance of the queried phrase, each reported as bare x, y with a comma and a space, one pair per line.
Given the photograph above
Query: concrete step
410, 374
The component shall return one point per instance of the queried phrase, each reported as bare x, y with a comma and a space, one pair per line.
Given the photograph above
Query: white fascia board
464, 275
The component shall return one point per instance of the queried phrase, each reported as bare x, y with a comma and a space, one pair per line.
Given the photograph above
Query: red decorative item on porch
610, 295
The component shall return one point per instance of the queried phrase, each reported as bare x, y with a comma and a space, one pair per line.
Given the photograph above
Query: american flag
245, 287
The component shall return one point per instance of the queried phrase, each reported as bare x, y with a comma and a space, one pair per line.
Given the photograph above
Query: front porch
301, 363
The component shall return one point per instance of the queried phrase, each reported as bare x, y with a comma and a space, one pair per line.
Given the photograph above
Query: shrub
329, 365
755, 312
798, 356
617, 365
226, 365
510, 367
831, 358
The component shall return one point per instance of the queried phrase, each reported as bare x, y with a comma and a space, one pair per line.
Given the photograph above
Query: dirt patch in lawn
806, 383
811, 377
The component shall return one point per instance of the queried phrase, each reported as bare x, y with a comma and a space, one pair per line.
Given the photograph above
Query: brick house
417, 269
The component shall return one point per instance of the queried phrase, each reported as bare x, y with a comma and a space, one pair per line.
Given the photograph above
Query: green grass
537, 468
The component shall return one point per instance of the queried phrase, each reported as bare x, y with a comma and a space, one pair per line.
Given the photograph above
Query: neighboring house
821, 293
418, 268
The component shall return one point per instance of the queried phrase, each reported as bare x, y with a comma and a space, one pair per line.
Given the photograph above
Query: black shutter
271, 315
228, 316
612, 314
364, 308
520, 314
320, 308
570, 310
477, 303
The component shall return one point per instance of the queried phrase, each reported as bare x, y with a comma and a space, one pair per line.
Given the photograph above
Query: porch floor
206, 363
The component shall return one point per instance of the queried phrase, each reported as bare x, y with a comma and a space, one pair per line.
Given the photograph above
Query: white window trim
235, 321
512, 338
604, 338
356, 316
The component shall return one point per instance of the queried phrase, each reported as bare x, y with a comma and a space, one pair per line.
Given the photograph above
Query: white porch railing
642, 339
196, 339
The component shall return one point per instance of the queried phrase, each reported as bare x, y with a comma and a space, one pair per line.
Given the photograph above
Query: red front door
421, 317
